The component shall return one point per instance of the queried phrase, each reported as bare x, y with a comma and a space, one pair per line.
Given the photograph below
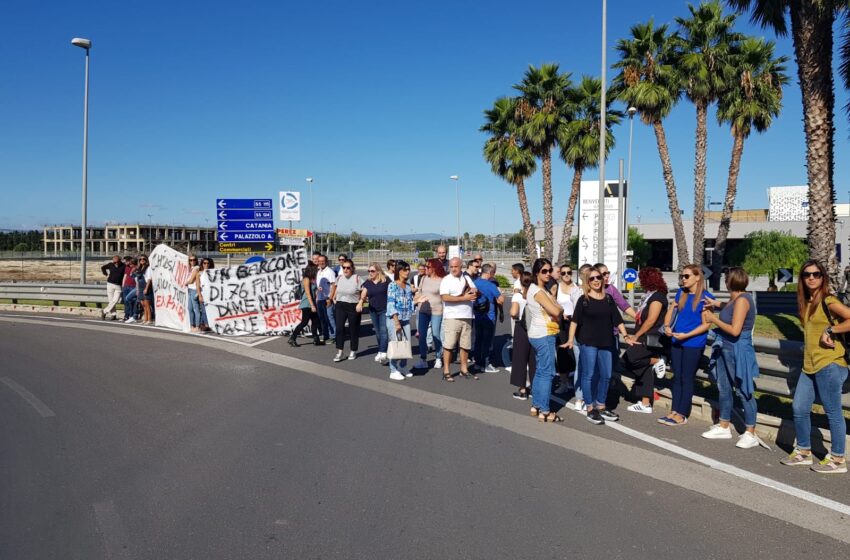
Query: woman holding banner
307, 306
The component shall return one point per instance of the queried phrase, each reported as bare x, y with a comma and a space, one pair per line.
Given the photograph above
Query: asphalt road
122, 442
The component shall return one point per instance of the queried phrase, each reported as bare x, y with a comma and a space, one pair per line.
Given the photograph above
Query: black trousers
637, 359
347, 312
523, 363
308, 316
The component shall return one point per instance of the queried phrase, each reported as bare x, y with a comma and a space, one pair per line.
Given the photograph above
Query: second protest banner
256, 298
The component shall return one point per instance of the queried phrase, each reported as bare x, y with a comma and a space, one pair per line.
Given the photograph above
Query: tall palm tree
578, 139
649, 81
811, 31
752, 103
509, 157
706, 38
541, 98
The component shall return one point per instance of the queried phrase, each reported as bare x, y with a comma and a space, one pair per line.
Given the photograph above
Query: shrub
503, 281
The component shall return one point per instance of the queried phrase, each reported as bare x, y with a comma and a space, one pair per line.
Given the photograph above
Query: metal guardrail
77, 293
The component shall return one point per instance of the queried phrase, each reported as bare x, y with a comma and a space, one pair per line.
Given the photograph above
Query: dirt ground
49, 271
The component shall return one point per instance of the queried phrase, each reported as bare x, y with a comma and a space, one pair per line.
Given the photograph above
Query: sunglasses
346, 268
567, 273
606, 273
595, 278
545, 271
684, 276
372, 270
816, 274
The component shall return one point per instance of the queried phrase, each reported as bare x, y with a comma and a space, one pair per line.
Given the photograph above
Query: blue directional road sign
245, 236
244, 220
224, 215
630, 275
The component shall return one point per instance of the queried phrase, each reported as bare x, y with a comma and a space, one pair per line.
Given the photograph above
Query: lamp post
84, 44
455, 178
625, 207
312, 216
600, 255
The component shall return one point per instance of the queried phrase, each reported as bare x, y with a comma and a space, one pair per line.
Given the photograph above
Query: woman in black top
594, 320
643, 359
374, 291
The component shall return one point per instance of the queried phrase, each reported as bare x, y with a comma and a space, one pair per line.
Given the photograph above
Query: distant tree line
21, 240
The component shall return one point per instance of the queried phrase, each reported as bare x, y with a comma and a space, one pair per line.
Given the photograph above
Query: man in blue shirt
485, 317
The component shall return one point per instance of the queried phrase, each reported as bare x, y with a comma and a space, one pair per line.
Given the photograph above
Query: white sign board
588, 226
170, 270
290, 205
256, 298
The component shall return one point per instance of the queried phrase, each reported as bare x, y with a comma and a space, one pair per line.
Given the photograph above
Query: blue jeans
397, 365
577, 372
596, 365
544, 354
485, 330
685, 365
825, 384
194, 309
332, 320
325, 315
128, 296
728, 384
379, 323
425, 321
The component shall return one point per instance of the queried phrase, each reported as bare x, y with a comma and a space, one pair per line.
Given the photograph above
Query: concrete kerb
62, 309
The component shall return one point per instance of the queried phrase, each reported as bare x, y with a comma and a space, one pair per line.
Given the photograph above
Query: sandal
468, 375
448, 377
551, 417
535, 411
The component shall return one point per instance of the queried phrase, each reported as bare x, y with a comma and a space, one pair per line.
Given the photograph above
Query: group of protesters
129, 281
456, 305
567, 333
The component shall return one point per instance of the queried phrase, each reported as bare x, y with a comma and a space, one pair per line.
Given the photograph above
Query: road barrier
55, 293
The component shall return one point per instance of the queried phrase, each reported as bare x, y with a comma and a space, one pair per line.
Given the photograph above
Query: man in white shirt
516, 273
325, 278
457, 292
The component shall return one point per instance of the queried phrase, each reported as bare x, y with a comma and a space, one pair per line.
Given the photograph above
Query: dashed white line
34, 401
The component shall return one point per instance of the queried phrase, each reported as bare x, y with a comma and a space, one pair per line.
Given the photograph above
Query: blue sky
379, 101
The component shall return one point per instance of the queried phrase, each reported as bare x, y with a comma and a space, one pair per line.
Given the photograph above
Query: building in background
123, 239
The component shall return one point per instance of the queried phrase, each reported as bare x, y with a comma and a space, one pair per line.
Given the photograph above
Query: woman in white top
345, 295
191, 285
543, 312
565, 359
522, 355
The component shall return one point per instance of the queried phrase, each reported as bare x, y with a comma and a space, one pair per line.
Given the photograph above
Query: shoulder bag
399, 349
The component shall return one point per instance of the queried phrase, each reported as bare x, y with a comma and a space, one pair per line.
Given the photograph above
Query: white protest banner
256, 298
170, 270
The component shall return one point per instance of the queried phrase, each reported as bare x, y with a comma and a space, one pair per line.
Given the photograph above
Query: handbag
399, 349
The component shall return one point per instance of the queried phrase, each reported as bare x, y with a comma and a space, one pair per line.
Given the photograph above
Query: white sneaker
438, 363
579, 406
508, 369
748, 440
378, 357
490, 369
660, 368
352, 355
640, 407
717, 432
131, 320
421, 364
338, 357
396, 376
384, 360
407, 373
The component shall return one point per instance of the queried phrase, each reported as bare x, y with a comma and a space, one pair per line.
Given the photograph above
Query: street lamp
600, 256
312, 216
632, 111
457, 191
84, 44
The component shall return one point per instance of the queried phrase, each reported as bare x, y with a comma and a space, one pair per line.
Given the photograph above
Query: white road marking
724, 467
34, 401
111, 529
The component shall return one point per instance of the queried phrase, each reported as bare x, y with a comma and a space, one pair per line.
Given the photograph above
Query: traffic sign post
785, 275
630, 276
245, 225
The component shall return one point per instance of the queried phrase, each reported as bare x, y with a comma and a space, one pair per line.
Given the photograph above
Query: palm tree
578, 139
706, 38
649, 82
752, 103
539, 109
811, 30
508, 156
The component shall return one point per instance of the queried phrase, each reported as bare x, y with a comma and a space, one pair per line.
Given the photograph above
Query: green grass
782, 325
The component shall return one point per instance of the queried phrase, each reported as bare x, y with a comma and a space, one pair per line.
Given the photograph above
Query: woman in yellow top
824, 368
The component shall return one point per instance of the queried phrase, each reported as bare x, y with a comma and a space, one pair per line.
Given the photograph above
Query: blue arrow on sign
245, 236
245, 225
